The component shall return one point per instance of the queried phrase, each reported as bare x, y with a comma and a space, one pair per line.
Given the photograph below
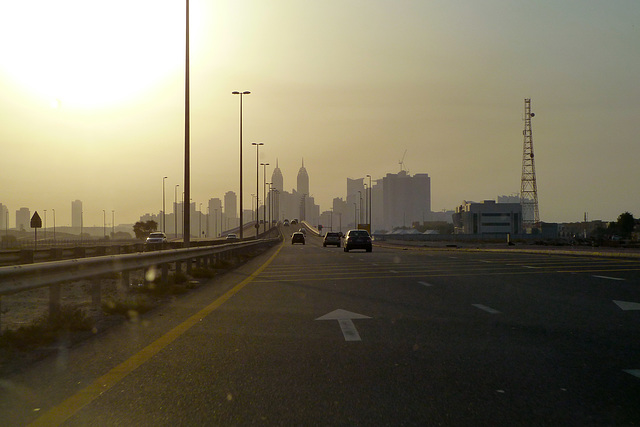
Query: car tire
338, 245
346, 249
324, 246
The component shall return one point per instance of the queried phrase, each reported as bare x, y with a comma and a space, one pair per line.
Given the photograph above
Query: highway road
306, 335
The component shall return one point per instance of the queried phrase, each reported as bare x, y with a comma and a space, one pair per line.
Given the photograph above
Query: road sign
36, 221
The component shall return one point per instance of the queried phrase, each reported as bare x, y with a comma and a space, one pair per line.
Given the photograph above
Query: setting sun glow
90, 54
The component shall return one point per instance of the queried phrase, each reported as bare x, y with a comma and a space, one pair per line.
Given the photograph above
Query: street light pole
264, 202
54, 225
200, 221
175, 211
113, 224
186, 214
163, 206
246, 92
360, 216
268, 200
370, 205
257, 144
104, 224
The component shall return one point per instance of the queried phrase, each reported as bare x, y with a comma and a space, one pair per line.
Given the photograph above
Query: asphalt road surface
306, 335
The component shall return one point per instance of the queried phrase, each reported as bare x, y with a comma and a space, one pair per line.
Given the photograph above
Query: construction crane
401, 162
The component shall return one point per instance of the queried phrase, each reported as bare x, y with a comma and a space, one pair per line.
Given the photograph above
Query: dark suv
331, 238
357, 239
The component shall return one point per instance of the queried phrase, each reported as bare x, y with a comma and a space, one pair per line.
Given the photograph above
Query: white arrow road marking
485, 308
627, 305
425, 284
344, 319
608, 277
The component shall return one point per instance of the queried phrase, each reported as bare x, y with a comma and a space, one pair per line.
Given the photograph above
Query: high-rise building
76, 215
4, 217
277, 179
230, 210
303, 181
23, 219
214, 215
406, 199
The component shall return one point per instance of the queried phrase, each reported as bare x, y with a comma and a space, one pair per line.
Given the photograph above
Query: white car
157, 237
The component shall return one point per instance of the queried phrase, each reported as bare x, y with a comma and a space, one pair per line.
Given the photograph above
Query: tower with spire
303, 181
277, 179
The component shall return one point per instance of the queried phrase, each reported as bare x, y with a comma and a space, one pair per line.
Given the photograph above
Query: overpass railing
24, 277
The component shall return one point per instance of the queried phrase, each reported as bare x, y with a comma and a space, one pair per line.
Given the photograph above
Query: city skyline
349, 86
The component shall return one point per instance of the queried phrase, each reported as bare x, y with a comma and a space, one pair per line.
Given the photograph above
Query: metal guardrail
18, 278
24, 277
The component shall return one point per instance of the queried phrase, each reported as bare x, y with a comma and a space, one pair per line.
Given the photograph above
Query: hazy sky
92, 100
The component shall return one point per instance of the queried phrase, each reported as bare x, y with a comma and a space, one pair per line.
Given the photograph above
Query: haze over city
92, 104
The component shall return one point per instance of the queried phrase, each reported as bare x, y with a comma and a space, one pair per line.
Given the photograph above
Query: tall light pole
54, 225
366, 201
355, 214
113, 224
163, 206
360, 216
264, 192
246, 92
257, 144
200, 221
268, 199
45, 226
175, 211
370, 205
104, 224
186, 214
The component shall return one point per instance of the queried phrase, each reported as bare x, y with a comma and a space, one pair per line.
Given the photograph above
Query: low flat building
488, 218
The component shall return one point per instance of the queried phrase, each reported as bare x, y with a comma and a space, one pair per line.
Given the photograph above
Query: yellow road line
65, 410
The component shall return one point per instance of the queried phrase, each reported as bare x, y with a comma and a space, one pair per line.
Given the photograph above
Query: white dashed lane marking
485, 308
608, 277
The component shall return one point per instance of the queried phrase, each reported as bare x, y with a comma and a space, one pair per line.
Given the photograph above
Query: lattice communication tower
528, 186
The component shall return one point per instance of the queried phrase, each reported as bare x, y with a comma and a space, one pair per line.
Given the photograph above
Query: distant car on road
357, 239
285, 223
297, 237
331, 238
232, 237
294, 221
157, 237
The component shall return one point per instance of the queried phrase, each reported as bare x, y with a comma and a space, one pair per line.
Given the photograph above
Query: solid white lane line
608, 277
425, 284
634, 372
485, 308
627, 305
393, 271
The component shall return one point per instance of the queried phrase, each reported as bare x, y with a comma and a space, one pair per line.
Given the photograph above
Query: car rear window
359, 233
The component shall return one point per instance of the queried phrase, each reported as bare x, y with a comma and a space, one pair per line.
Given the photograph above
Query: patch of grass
46, 329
